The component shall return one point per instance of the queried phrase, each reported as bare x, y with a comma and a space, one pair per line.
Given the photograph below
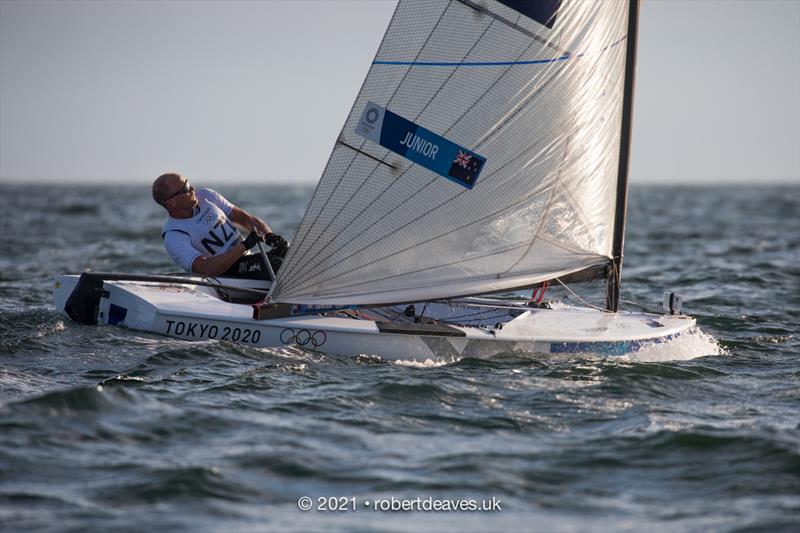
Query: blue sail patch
420, 145
542, 11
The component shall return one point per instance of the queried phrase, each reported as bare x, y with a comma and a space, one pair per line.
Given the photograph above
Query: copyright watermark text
325, 504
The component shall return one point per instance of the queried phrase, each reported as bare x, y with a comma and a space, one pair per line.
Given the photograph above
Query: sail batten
534, 117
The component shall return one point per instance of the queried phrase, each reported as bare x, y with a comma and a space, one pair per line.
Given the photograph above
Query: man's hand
257, 225
278, 244
252, 239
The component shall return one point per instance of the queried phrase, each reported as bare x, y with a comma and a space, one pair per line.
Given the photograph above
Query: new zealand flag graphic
466, 167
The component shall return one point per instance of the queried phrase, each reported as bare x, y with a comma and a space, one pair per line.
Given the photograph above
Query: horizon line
693, 180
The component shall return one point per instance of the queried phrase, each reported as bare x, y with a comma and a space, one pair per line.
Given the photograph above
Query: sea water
103, 428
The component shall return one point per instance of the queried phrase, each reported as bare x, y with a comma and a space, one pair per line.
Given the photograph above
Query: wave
187, 483
22, 330
77, 400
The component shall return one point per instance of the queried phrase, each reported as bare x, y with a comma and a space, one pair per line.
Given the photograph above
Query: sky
257, 91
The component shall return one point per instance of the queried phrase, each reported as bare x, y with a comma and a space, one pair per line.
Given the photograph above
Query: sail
481, 154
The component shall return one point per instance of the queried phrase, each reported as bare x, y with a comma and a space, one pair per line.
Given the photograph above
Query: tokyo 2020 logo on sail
303, 337
372, 115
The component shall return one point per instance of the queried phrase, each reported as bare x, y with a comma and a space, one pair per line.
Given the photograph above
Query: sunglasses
183, 190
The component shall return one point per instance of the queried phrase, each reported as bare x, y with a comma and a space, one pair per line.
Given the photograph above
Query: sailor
200, 235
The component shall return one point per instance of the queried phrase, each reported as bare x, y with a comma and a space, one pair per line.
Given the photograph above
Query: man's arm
217, 264
247, 221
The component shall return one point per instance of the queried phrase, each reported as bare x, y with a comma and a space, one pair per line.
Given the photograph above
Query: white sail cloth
543, 107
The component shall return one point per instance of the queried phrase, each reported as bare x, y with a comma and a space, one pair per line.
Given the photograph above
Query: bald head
165, 185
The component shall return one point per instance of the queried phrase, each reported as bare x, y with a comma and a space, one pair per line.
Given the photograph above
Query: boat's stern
95, 301
62, 288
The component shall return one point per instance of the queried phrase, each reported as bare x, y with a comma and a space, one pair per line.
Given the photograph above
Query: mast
614, 278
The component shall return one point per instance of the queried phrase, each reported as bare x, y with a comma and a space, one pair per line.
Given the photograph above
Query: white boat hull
194, 313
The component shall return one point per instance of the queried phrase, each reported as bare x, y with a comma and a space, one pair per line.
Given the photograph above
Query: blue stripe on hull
606, 348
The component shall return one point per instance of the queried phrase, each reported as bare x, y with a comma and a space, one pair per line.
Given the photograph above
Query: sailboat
485, 154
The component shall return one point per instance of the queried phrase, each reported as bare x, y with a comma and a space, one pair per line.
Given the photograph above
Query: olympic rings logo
303, 337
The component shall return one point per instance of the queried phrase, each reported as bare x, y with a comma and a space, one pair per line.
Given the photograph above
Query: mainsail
482, 154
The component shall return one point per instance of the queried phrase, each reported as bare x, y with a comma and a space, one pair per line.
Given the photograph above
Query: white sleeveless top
208, 232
